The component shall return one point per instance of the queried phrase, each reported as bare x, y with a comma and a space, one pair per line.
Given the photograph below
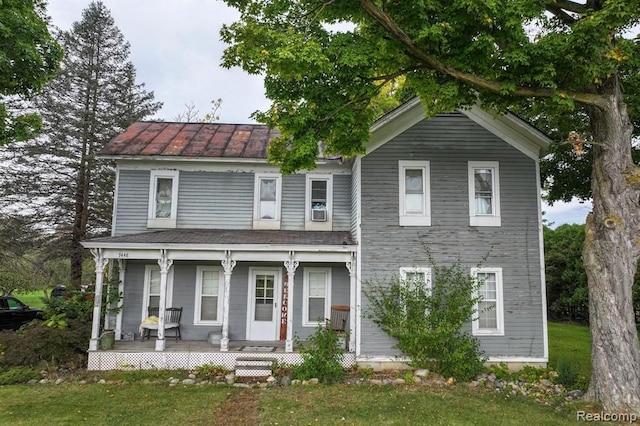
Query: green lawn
140, 404
570, 343
32, 298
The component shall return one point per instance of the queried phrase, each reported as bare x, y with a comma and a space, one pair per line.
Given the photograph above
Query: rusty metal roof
153, 138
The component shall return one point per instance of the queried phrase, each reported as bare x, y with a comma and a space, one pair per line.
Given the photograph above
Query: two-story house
201, 221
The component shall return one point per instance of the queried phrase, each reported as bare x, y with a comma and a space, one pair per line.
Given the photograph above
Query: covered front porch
189, 354
270, 283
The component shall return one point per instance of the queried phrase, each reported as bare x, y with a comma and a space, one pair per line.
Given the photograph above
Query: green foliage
428, 323
527, 374
281, 369
35, 345
28, 58
326, 62
211, 371
566, 279
321, 356
76, 305
57, 321
567, 373
13, 375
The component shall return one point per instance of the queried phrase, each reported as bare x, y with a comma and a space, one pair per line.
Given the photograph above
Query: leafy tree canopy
324, 61
29, 57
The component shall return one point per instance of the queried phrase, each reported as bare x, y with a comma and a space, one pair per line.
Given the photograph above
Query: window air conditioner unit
319, 215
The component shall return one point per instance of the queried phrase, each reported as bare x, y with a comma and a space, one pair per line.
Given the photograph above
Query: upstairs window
267, 201
163, 199
484, 193
415, 203
489, 315
318, 201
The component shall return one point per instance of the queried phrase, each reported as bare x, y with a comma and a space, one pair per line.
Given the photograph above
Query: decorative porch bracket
351, 267
228, 264
100, 262
291, 264
165, 264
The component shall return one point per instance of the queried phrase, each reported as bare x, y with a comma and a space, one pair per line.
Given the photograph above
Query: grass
404, 405
32, 298
570, 343
132, 398
155, 404
110, 404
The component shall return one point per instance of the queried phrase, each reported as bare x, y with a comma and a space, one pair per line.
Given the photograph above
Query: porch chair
171, 322
338, 321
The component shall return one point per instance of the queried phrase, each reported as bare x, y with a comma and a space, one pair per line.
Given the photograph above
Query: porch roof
225, 237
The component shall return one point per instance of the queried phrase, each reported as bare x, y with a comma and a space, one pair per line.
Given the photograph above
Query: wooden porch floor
172, 345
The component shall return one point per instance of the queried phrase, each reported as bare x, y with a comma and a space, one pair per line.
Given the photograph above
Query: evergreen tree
94, 97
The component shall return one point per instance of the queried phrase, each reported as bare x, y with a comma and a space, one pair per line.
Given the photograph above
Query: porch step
253, 367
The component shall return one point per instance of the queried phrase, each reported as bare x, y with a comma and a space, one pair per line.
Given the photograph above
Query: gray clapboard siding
133, 201
221, 200
449, 142
293, 197
215, 200
341, 202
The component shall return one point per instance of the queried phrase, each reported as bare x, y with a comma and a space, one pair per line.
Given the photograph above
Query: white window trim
417, 269
310, 225
147, 283
414, 219
198, 301
266, 223
484, 220
305, 296
152, 220
475, 326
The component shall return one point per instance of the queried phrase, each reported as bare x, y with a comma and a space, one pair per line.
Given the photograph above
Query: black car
14, 313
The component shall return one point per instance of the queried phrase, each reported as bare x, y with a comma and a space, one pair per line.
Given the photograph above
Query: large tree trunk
610, 258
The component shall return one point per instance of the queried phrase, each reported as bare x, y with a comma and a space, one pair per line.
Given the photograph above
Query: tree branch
479, 82
571, 6
561, 14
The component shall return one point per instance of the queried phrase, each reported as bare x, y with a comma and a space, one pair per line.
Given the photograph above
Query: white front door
264, 303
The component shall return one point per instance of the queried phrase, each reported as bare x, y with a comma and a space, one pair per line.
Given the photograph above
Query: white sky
176, 49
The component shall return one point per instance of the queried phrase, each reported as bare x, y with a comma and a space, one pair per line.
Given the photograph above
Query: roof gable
508, 127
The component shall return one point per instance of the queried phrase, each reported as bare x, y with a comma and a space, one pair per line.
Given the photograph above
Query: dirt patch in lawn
240, 408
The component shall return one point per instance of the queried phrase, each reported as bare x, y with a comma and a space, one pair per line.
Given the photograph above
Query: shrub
567, 373
321, 356
211, 371
37, 344
15, 375
427, 323
77, 305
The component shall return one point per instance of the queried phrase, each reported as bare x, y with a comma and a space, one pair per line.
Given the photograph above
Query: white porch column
228, 264
291, 264
351, 266
101, 262
122, 265
165, 264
